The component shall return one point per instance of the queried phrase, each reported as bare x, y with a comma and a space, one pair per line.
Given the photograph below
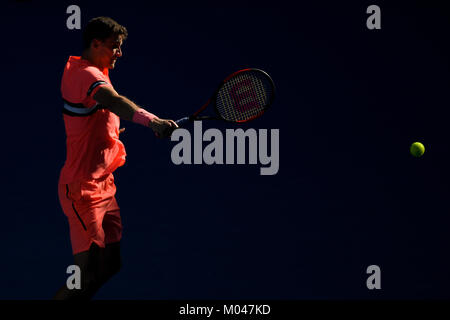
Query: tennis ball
417, 149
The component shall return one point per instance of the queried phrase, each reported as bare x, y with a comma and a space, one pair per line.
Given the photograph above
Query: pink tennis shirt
93, 146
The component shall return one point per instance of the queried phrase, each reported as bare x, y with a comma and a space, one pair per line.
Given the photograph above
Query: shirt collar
79, 60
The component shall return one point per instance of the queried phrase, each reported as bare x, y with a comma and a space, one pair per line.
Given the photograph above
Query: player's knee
115, 266
112, 268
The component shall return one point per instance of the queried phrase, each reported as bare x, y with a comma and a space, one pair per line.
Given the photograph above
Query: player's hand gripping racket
241, 97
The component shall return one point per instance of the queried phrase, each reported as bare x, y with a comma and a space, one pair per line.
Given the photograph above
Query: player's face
109, 51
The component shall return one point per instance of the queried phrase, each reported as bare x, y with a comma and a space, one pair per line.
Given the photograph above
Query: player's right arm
127, 109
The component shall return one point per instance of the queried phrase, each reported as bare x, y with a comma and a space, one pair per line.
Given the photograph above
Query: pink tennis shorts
92, 212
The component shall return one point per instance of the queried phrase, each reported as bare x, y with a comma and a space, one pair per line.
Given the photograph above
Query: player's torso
93, 145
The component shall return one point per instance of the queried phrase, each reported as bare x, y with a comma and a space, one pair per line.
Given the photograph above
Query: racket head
244, 95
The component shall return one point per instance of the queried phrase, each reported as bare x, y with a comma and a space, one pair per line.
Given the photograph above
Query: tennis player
92, 112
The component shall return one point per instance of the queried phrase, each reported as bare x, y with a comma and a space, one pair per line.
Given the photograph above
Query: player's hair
102, 28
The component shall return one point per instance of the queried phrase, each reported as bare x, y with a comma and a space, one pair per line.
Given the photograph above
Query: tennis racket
243, 96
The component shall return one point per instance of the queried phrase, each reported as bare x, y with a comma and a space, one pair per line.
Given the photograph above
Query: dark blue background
348, 194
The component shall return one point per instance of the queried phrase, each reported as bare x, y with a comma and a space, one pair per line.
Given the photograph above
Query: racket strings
244, 96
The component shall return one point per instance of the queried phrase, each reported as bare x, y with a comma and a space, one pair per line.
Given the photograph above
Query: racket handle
181, 122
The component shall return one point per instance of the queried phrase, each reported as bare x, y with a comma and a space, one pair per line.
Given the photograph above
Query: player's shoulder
81, 70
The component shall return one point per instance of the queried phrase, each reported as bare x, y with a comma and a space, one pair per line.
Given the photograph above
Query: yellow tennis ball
417, 149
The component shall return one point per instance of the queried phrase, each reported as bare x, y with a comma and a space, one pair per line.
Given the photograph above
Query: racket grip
181, 122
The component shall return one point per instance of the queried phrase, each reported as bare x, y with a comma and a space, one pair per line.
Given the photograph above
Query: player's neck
87, 55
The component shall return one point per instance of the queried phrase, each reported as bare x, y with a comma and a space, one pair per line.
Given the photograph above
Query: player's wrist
143, 117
